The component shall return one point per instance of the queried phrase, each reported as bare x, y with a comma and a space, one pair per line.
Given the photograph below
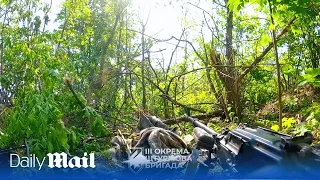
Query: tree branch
167, 97
268, 48
175, 49
218, 113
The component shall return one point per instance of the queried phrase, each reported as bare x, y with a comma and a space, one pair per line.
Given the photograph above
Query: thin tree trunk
2, 43
143, 85
229, 49
104, 51
313, 52
228, 74
219, 97
278, 68
66, 18
213, 90
166, 108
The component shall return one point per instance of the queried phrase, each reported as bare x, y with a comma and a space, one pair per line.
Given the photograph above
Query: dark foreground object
258, 153
243, 153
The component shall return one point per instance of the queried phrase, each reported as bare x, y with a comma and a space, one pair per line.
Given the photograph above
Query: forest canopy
88, 70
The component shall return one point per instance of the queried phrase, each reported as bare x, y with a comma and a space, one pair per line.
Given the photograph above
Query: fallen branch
167, 97
124, 140
67, 81
218, 113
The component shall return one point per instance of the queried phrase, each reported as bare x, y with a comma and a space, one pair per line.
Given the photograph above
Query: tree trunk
278, 68
143, 85
103, 71
228, 74
220, 98
166, 108
312, 46
229, 49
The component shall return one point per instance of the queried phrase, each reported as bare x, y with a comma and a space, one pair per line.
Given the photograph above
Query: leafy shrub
38, 120
272, 116
311, 76
265, 123
314, 110
312, 123
275, 127
290, 105
96, 125
216, 127
287, 125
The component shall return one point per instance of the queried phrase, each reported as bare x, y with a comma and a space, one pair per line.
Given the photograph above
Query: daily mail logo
58, 160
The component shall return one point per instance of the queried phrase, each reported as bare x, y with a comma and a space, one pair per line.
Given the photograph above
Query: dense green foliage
89, 76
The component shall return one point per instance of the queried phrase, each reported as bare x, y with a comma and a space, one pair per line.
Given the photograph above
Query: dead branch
167, 97
67, 81
175, 49
217, 113
156, 39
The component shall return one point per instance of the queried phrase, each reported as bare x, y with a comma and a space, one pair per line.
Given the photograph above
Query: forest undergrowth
301, 113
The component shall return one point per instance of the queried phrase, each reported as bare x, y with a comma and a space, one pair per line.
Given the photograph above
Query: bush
38, 120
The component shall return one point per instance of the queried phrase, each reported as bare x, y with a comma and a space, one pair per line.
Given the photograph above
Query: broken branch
217, 113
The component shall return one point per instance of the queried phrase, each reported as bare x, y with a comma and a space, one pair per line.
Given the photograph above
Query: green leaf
287, 69
50, 147
275, 127
313, 72
265, 39
235, 4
